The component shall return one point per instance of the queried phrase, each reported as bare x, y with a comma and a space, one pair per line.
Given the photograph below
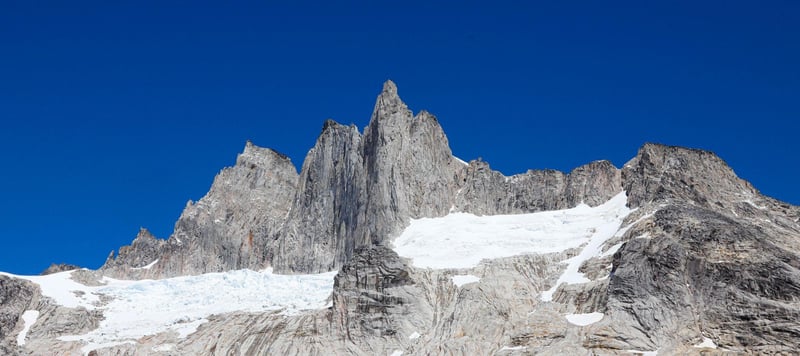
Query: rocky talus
702, 264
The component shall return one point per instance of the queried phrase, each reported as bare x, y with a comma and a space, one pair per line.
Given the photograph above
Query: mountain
385, 243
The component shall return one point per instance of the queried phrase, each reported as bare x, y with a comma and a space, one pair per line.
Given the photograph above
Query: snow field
461, 240
182, 304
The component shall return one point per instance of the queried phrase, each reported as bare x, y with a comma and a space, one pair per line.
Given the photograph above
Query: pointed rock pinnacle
389, 87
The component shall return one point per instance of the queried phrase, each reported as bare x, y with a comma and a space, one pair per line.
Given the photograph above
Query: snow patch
149, 266
643, 353
513, 348
164, 348
707, 343
415, 335
584, 319
611, 250
753, 204
465, 279
645, 236
29, 318
396, 353
453, 207
461, 161
461, 240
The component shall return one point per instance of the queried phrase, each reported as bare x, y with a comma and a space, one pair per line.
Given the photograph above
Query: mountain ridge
362, 169
697, 261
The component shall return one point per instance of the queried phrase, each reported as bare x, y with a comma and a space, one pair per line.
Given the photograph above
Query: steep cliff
318, 233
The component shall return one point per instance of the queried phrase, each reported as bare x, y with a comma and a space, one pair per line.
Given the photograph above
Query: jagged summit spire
144, 233
389, 87
389, 104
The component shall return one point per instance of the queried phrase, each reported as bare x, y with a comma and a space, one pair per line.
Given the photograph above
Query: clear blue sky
114, 114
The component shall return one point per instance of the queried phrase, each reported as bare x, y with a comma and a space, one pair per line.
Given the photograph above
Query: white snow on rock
164, 348
707, 343
594, 247
465, 279
149, 265
414, 335
611, 250
396, 353
461, 240
584, 319
181, 304
29, 318
513, 348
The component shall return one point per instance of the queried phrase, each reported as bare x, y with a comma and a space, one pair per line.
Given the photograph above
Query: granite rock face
370, 292
319, 231
410, 170
359, 190
699, 272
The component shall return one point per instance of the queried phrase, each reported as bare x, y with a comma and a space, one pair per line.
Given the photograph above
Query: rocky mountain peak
389, 108
144, 234
389, 87
59, 267
661, 172
255, 156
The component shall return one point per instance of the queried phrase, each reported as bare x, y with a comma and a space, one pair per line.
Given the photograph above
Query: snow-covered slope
461, 240
149, 307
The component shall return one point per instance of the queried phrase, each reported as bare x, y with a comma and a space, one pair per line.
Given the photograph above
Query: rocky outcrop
668, 173
16, 296
694, 273
59, 267
488, 192
144, 250
226, 229
371, 295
